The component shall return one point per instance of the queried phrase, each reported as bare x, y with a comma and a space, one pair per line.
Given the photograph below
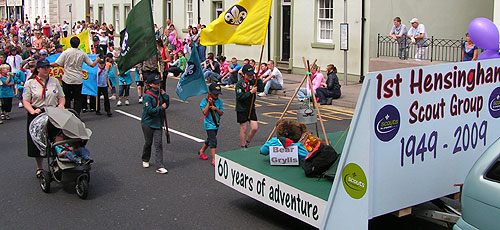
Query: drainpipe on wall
199, 17
363, 20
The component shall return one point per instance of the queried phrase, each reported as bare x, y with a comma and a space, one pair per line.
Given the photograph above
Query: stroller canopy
62, 119
71, 125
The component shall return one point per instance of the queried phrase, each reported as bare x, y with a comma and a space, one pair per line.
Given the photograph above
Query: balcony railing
446, 50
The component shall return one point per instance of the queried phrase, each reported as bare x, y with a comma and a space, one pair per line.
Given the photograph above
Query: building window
44, 15
189, 12
116, 18
101, 14
169, 9
325, 21
218, 9
91, 9
127, 10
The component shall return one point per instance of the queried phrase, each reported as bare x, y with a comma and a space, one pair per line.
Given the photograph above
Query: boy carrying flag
212, 108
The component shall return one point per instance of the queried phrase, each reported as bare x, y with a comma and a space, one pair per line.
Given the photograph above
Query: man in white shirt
72, 60
65, 28
273, 81
418, 36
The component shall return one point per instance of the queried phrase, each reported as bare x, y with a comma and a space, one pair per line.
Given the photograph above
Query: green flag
138, 38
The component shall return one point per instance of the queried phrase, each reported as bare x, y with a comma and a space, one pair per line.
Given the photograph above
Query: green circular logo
354, 181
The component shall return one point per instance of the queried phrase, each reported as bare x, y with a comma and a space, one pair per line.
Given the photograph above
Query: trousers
152, 137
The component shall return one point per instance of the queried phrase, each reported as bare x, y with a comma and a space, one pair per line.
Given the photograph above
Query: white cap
413, 20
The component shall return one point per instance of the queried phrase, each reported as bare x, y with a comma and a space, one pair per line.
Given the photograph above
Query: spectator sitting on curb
273, 81
231, 76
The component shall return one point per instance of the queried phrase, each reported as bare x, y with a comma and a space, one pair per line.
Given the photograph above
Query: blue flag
89, 74
192, 82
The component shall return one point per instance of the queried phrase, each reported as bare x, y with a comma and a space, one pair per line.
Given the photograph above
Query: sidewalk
350, 92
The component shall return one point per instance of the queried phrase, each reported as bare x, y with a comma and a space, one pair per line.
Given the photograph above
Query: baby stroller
43, 130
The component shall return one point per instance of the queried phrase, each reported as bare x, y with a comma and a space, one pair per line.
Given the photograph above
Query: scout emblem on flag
235, 15
125, 47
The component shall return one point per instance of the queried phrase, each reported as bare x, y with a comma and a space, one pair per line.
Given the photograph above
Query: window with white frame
101, 14
218, 9
189, 12
91, 9
169, 9
325, 21
116, 15
127, 10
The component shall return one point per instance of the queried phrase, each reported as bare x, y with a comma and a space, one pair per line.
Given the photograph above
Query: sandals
38, 172
7, 117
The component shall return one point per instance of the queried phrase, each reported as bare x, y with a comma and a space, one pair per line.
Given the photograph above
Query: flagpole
256, 80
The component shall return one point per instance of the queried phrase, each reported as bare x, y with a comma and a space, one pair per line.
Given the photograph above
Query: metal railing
447, 50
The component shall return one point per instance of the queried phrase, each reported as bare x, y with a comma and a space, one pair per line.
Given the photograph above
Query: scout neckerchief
247, 85
214, 117
155, 96
67, 148
100, 71
44, 86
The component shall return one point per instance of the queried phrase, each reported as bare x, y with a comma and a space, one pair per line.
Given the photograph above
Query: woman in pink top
316, 78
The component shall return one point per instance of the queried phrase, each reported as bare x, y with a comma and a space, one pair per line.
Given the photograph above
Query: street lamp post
70, 18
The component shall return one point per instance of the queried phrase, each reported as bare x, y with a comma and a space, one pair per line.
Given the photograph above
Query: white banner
274, 193
427, 126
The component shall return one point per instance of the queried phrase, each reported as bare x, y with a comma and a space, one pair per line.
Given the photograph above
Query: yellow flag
243, 23
84, 41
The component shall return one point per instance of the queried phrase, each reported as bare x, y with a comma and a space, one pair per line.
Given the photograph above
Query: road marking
179, 100
169, 129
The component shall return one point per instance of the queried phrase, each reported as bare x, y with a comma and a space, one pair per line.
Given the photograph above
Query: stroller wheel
45, 181
82, 186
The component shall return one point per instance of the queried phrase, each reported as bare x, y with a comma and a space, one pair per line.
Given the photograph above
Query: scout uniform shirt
152, 112
243, 95
33, 92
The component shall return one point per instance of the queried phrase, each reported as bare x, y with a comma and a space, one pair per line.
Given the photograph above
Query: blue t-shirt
112, 75
20, 77
237, 67
102, 78
6, 91
264, 150
208, 122
126, 79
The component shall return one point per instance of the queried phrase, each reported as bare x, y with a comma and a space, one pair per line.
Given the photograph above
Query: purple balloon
484, 33
488, 54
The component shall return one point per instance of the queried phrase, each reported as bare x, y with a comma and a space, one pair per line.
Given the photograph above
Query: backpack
319, 161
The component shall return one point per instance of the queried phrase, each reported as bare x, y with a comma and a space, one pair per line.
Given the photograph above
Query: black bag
320, 161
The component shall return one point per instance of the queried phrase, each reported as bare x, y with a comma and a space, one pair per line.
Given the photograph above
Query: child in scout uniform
6, 91
112, 72
102, 88
245, 104
212, 108
21, 76
79, 155
125, 80
153, 113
